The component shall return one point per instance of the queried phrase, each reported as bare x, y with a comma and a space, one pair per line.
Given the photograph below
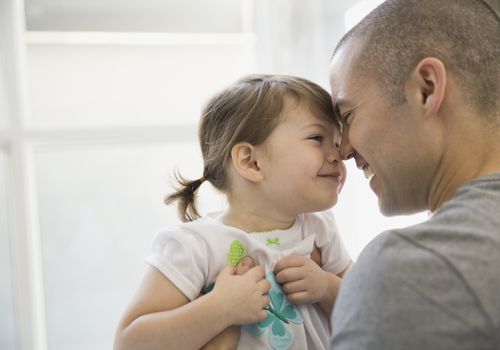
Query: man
417, 86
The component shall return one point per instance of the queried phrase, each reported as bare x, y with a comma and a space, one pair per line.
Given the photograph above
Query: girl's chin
328, 205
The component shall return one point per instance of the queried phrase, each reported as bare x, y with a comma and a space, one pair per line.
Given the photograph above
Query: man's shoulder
401, 286
413, 255
391, 245
411, 286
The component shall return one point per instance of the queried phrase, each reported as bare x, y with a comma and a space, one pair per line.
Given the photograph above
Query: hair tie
202, 179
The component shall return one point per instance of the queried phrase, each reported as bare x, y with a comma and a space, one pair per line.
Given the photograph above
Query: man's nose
346, 150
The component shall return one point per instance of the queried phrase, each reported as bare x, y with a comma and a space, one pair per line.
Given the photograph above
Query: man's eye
346, 117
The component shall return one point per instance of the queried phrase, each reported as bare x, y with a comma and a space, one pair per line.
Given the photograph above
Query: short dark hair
463, 34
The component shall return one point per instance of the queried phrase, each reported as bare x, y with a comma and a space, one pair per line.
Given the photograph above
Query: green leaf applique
236, 253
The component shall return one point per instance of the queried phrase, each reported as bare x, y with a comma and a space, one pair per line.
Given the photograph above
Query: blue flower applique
280, 313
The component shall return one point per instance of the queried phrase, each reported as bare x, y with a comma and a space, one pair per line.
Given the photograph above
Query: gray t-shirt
435, 285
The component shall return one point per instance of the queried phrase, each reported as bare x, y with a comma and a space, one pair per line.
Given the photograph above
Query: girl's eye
318, 138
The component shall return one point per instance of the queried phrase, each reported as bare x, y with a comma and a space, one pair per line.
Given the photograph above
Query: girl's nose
331, 159
333, 156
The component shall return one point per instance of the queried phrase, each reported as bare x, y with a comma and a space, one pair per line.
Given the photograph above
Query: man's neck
469, 158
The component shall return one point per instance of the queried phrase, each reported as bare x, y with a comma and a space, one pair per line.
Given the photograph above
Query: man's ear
429, 78
244, 160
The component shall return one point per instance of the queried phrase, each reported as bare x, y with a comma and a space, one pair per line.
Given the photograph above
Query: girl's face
300, 161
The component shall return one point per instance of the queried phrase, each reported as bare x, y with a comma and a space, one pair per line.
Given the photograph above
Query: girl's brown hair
246, 111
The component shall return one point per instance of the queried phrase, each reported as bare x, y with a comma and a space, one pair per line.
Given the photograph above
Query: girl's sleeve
182, 257
334, 255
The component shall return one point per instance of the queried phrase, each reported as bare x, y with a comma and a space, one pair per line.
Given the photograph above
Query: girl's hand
242, 298
230, 337
303, 281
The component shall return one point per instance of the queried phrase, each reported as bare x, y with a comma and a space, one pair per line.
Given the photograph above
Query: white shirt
192, 255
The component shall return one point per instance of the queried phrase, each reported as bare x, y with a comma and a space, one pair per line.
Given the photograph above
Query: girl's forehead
303, 115
300, 109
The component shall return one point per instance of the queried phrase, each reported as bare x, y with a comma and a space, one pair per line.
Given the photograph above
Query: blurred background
99, 103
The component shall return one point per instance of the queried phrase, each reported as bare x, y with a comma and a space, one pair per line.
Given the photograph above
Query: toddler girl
270, 143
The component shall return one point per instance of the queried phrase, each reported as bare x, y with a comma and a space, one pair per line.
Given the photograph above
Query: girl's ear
429, 78
245, 162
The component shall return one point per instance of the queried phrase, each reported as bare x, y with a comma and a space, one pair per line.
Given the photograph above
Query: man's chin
395, 208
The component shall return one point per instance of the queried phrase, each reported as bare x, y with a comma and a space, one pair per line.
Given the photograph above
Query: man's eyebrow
336, 109
339, 103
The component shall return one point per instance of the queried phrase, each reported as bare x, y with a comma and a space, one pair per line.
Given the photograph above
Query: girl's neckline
218, 218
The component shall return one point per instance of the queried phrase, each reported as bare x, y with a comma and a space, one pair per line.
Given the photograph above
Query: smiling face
391, 144
301, 166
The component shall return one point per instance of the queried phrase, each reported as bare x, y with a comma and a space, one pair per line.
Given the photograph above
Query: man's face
389, 143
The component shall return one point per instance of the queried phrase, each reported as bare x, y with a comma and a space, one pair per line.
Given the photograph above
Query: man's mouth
368, 172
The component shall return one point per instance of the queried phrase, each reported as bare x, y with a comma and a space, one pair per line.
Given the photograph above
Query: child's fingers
294, 287
244, 265
290, 274
256, 273
227, 271
289, 261
299, 298
264, 285
261, 316
265, 301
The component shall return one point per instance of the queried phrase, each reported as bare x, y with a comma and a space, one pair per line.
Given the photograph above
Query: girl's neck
256, 221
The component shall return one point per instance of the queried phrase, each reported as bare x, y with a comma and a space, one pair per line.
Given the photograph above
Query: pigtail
185, 195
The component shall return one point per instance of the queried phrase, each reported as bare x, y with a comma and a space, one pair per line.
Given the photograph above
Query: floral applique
280, 313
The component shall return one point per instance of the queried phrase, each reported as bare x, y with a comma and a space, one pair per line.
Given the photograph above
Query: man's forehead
344, 88
348, 81
342, 72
